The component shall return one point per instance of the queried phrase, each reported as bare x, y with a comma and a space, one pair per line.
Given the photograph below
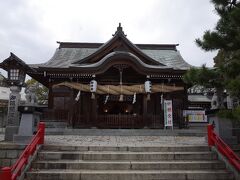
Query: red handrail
11, 173
222, 147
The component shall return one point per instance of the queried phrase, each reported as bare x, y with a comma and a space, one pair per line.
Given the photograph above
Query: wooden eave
102, 69
14, 61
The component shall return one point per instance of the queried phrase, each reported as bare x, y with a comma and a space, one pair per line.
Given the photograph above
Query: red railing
11, 173
222, 147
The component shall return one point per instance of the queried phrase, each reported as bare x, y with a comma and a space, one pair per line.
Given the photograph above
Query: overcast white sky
30, 28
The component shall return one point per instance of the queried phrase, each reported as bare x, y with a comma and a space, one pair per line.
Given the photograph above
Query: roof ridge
97, 45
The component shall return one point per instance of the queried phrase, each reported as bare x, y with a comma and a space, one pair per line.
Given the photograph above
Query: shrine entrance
110, 104
114, 112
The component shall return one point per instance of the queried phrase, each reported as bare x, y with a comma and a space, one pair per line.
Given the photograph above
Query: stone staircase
236, 149
124, 163
54, 127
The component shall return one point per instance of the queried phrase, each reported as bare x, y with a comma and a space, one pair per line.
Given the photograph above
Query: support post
145, 103
210, 135
41, 128
94, 112
6, 173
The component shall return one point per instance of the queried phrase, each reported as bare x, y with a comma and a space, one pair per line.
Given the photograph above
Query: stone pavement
75, 140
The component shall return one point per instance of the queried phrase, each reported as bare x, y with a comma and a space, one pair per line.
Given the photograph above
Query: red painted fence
222, 147
11, 173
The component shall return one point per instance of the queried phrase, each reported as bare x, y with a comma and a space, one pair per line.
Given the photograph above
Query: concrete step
176, 148
128, 165
115, 155
128, 174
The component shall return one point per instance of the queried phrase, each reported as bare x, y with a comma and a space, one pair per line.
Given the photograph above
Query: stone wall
9, 153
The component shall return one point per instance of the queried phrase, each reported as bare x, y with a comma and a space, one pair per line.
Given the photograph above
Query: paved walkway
124, 140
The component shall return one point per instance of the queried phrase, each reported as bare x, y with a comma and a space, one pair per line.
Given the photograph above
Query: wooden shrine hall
116, 84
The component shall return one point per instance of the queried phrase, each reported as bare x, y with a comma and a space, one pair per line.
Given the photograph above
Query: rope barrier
121, 89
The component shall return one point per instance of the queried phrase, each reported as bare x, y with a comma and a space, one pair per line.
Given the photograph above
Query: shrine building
117, 84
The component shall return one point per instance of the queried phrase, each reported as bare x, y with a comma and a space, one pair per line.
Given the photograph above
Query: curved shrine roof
69, 54
65, 57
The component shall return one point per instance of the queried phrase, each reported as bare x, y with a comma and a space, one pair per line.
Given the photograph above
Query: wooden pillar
185, 98
144, 109
79, 107
157, 104
86, 108
50, 97
185, 104
94, 111
71, 110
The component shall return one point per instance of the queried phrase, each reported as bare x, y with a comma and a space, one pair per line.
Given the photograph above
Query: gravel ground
123, 140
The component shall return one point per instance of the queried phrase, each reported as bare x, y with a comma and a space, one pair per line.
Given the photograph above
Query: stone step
235, 146
115, 155
128, 174
54, 131
128, 165
134, 132
186, 148
55, 124
198, 126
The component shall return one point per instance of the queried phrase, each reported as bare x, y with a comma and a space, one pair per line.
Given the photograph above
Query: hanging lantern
93, 88
148, 87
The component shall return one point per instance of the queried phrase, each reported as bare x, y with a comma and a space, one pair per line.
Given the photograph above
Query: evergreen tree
226, 34
226, 39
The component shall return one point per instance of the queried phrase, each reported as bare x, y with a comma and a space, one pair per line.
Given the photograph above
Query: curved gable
120, 57
118, 42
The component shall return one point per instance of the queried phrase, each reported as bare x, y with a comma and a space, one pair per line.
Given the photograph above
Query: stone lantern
16, 78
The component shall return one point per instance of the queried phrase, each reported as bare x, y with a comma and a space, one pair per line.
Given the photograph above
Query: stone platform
76, 140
